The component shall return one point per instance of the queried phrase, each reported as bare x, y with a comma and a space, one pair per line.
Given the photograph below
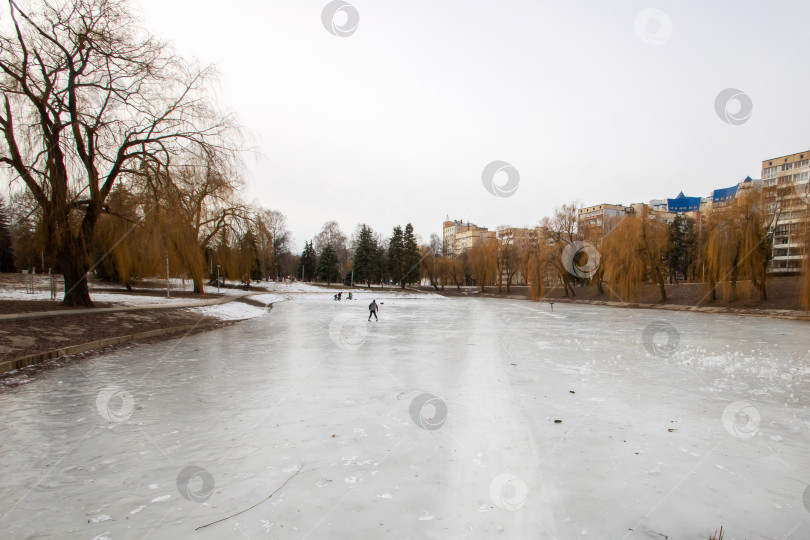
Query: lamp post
217, 279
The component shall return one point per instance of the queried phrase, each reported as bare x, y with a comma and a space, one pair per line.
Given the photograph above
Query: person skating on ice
372, 310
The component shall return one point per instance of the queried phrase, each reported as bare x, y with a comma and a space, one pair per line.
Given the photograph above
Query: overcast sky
591, 100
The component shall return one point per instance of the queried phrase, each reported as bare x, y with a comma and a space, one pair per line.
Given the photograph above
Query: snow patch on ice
232, 311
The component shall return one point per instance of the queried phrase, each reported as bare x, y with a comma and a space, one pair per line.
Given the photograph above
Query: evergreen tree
381, 259
328, 265
690, 243
365, 257
681, 247
308, 263
410, 257
6, 248
396, 252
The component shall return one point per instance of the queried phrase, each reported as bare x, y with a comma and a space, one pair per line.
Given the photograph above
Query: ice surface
438, 421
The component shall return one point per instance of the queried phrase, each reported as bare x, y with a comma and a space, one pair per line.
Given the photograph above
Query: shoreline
33, 364
774, 313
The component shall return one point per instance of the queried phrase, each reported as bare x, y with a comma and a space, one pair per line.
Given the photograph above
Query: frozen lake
438, 421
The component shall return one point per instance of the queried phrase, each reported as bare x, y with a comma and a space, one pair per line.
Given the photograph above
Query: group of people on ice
373, 308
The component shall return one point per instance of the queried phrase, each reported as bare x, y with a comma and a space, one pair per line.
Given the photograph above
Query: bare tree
507, 257
559, 231
275, 238
89, 98
432, 262
331, 235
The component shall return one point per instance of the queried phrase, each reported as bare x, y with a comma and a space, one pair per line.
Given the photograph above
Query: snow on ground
447, 418
232, 311
237, 310
113, 298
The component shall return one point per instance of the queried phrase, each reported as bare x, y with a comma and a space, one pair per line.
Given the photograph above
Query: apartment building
604, 216
459, 236
785, 199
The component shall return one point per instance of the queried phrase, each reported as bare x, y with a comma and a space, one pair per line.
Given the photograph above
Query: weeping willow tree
88, 98
456, 271
539, 266
119, 237
633, 253
483, 262
736, 249
167, 217
136, 239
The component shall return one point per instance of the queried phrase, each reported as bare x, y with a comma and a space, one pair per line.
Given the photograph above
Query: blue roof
725, 194
683, 203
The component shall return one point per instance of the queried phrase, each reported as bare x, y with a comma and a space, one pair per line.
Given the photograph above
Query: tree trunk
74, 272
567, 285
600, 272
763, 295
199, 288
661, 284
